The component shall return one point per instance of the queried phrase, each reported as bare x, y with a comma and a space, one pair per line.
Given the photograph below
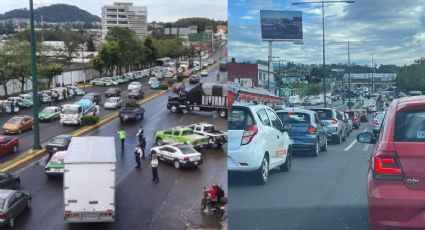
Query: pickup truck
181, 135
131, 110
214, 136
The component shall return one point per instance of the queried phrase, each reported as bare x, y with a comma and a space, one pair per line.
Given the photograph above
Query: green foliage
110, 55
180, 78
171, 81
172, 48
90, 45
150, 51
53, 13
90, 119
163, 86
200, 22
49, 71
412, 77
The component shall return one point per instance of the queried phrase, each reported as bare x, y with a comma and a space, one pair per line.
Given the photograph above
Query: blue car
306, 131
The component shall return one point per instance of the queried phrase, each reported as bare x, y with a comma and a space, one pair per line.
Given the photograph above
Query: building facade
125, 15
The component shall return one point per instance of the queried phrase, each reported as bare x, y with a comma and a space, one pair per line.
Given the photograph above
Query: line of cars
262, 139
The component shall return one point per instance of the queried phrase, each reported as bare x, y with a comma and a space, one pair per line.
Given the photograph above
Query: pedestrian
137, 152
139, 134
154, 165
121, 135
64, 94
143, 146
12, 107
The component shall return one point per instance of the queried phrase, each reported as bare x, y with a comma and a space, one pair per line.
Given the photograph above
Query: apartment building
124, 14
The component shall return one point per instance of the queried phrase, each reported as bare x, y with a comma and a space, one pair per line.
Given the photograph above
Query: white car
152, 79
204, 73
258, 141
179, 155
113, 103
134, 86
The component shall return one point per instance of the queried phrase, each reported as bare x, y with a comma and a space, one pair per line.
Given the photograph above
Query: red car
8, 144
178, 87
355, 118
396, 177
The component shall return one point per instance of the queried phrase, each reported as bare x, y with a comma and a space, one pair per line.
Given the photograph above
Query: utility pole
373, 70
34, 80
349, 78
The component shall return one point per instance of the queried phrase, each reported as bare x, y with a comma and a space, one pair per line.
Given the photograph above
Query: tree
412, 77
71, 41
110, 56
150, 51
90, 45
17, 58
50, 71
98, 64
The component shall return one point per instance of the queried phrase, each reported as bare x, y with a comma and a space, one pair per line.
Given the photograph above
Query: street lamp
34, 79
323, 36
348, 68
279, 72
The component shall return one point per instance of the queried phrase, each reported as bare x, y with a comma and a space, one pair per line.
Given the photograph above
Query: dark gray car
12, 203
333, 121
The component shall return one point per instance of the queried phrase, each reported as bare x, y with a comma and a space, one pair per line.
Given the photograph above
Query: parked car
179, 155
101, 81
355, 118
306, 131
58, 143
9, 181
395, 187
333, 121
258, 141
113, 92
377, 123
55, 166
178, 87
12, 204
8, 144
49, 113
21, 103
18, 124
113, 103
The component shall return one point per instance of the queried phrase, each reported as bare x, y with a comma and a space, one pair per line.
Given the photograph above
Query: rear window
294, 118
239, 118
187, 150
324, 114
410, 127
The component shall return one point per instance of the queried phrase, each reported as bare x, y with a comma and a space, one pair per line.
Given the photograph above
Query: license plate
196, 162
89, 214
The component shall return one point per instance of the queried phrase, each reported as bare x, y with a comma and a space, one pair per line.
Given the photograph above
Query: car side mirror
286, 128
366, 137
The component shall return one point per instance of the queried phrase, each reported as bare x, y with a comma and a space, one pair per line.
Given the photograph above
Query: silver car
377, 122
334, 123
12, 203
113, 103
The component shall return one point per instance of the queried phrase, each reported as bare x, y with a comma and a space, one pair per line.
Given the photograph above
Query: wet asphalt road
327, 192
48, 130
173, 203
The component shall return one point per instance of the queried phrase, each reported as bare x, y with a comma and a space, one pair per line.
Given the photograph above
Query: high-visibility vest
121, 134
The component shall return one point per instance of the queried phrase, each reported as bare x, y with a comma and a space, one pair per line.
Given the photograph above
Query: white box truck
89, 180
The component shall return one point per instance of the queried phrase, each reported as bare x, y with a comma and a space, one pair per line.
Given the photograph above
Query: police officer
154, 165
143, 146
121, 135
137, 156
139, 134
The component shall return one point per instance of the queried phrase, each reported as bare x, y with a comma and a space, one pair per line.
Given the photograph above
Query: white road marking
366, 147
33, 163
351, 145
364, 130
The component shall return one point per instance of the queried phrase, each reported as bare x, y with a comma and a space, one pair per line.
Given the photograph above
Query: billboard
281, 25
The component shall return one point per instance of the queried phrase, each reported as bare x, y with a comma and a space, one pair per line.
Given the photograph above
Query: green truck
55, 167
181, 135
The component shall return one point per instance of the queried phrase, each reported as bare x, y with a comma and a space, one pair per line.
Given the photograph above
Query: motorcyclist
218, 76
212, 196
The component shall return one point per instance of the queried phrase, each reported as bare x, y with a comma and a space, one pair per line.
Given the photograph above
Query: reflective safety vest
121, 134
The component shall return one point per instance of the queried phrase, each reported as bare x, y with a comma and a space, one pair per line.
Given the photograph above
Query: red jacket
213, 193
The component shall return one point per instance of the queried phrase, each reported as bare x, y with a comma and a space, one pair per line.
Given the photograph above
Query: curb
31, 155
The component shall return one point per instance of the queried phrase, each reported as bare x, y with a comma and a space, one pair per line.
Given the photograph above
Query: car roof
407, 102
250, 105
294, 110
63, 136
5, 193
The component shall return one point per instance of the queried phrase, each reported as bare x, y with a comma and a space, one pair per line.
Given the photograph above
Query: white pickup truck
215, 136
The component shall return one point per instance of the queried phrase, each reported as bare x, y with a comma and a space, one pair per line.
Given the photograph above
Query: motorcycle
217, 208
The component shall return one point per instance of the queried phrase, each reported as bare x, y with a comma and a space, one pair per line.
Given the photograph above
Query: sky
158, 10
393, 30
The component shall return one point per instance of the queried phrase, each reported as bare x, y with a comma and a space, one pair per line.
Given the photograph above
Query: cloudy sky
385, 28
158, 10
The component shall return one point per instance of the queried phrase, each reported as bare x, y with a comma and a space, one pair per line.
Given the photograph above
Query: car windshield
239, 118
113, 100
410, 127
49, 110
15, 120
209, 129
324, 114
294, 117
70, 109
187, 132
187, 150
59, 140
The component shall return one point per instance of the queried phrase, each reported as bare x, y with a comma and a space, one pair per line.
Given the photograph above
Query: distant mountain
53, 13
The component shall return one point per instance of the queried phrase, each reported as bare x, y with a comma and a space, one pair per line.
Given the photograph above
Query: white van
134, 86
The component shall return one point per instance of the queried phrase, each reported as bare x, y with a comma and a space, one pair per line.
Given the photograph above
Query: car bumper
10, 131
391, 204
69, 122
191, 163
244, 159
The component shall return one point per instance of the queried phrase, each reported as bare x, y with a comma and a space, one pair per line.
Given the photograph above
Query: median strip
31, 154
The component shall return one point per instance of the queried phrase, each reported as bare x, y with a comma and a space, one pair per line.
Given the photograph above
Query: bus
162, 61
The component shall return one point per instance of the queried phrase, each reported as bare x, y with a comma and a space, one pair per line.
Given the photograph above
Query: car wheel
287, 166
12, 221
176, 164
316, 149
15, 148
51, 119
159, 141
263, 171
174, 109
325, 147
222, 113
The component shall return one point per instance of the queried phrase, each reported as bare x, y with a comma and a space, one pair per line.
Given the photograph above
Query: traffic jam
182, 129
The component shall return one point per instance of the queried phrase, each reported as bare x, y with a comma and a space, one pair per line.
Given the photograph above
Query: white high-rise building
124, 14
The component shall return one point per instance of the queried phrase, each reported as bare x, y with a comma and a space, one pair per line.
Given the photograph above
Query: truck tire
174, 109
222, 113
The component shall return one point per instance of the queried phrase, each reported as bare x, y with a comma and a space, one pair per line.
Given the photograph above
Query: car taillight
2, 215
249, 133
386, 166
375, 122
334, 121
311, 130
